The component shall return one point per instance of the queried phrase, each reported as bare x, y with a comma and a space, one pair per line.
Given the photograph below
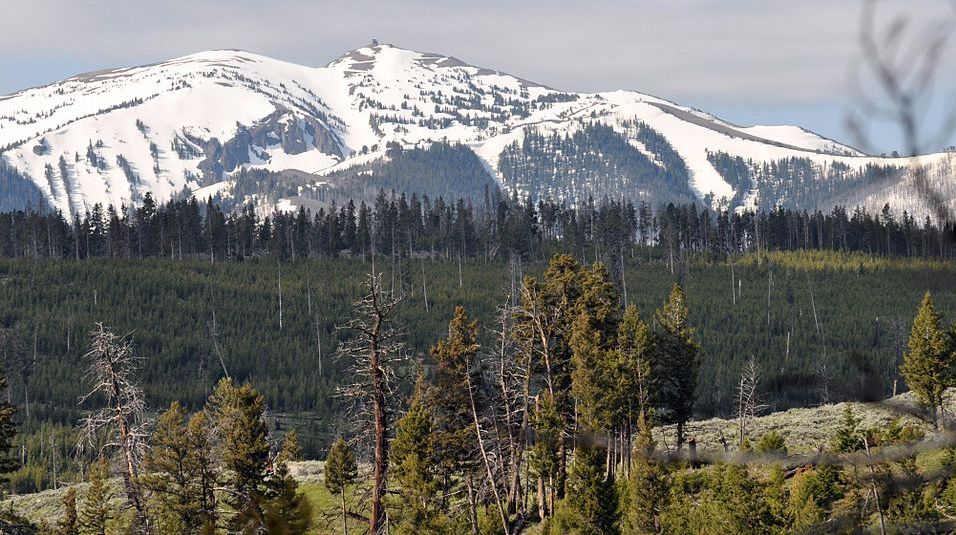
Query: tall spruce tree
635, 377
593, 337
202, 456
243, 450
928, 365
678, 357
448, 398
418, 507
173, 474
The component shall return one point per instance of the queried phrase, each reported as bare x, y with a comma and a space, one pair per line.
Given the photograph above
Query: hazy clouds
746, 58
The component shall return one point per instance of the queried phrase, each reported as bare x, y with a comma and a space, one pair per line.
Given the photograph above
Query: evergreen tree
243, 449
172, 473
593, 334
590, 506
340, 472
96, 506
648, 489
635, 379
543, 454
415, 473
449, 399
286, 511
928, 365
68, 525
291, 450
678, 360
205, 473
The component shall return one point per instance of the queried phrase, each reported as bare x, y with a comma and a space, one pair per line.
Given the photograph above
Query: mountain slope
193, 125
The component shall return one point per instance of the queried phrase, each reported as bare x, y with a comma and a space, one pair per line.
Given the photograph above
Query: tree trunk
345, 516
472, 507
484, 456
377, 513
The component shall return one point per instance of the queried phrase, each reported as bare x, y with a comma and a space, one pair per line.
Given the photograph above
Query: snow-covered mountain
248, 128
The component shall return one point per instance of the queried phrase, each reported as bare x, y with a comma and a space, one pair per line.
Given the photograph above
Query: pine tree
635, 379
648, 488
928, 365
414, 472
96, 506
173, 473
678, 360
593, 335
243, 449
848, 436
286, 511
590, 506
199, 440
291, 450
340, 472
448, 397
68, 525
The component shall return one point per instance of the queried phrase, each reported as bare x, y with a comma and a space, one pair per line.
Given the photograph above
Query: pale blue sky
748, 61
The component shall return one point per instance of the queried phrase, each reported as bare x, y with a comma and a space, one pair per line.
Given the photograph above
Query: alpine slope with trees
255, 130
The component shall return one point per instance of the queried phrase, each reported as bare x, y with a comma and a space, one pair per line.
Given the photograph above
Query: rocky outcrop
280, 130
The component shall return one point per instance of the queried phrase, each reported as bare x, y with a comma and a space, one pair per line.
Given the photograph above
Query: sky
747, 61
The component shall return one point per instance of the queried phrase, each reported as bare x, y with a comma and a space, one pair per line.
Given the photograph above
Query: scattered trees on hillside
551, 421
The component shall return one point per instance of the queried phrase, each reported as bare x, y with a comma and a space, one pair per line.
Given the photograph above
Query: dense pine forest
540, 415
276, 311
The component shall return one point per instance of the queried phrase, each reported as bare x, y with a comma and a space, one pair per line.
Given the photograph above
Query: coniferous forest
505, 368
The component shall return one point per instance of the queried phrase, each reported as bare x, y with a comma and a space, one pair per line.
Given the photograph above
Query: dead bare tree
111, 369
370, 353
748, 398
509, 408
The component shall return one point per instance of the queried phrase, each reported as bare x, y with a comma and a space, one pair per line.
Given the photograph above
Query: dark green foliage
724, 499
929, 366
177, 468
243, 448
772, 442
799, 182
285, 510
340, 467
340, 472
416, 475
18, 192
97, 510
8, 432
291, 450
849, 436
648, 489
678, 358
590, 503
448, 396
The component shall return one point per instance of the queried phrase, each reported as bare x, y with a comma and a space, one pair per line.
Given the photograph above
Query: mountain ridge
187, 125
